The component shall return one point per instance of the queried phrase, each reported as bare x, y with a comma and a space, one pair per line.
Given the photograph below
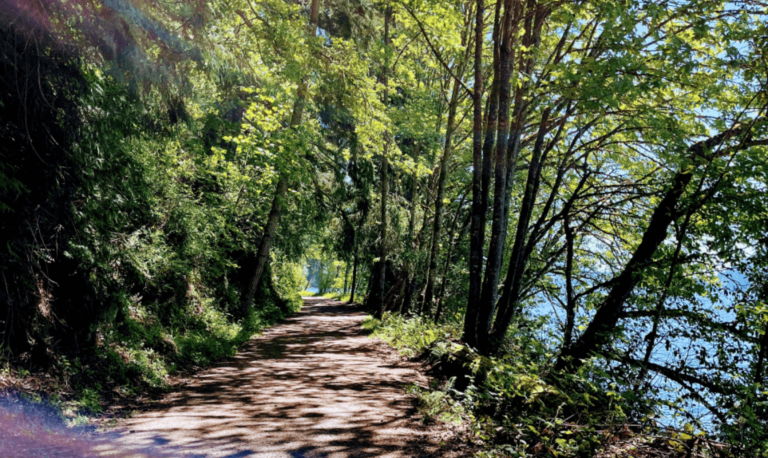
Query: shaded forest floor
314, 385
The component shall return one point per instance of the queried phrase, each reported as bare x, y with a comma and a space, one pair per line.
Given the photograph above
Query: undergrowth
410, 335
137, 355
514, 405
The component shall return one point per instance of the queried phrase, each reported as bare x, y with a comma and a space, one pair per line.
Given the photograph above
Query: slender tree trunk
478, 173
493, 264
408, 265
418, 279
414, 199
363, 216
452, 242
262, 255
409, 293
438, 221
282, 183
516, 262
382, 266
384, 183
653, 335
534, 18
431, 189
762, 354
346, 278
354, 277
401, 293
607, 316
570, 304
452, 257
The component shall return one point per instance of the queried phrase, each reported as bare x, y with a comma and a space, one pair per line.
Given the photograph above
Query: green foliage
88, 399
154, 243
409, 335
341, 297
143, 142
437, 405
511, 403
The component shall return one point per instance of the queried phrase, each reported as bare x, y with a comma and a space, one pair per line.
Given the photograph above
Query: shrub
514, 404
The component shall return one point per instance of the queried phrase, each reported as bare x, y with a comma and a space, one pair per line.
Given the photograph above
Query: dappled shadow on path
312, 386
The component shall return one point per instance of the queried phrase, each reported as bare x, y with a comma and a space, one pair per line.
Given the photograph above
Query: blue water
720, 308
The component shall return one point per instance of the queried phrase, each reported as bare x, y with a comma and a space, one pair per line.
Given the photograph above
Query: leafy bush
438, 405
514, 405
410, 335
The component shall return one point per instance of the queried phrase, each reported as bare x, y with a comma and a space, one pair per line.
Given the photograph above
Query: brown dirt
313, 385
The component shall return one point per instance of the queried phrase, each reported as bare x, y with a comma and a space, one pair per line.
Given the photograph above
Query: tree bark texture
478, 174
490, 283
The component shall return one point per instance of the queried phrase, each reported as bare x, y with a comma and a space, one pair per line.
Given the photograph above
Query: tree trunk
409, 293
607, 316
363, 216
346, 278
354, 278
479, 171
394, 292
534, 18
384, 184
408, 265
762, 355
438, 221
570, 304
451, 242
401, 293
282, 183
603, 324
514, 278
493, 264
454, 242
266, 241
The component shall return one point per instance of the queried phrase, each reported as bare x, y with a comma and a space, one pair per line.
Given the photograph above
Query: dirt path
313, 385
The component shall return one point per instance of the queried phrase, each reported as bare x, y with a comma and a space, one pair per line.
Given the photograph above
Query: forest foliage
573, 190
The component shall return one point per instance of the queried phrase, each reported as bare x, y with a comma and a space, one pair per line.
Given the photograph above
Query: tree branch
436, 53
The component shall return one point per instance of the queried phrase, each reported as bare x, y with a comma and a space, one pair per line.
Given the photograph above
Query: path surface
313, 385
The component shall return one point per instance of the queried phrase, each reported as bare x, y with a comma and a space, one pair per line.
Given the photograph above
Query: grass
343, 297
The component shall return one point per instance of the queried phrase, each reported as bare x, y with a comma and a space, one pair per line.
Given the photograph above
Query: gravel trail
313, 385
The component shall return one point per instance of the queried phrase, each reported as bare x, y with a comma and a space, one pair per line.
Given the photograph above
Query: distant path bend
313, 385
